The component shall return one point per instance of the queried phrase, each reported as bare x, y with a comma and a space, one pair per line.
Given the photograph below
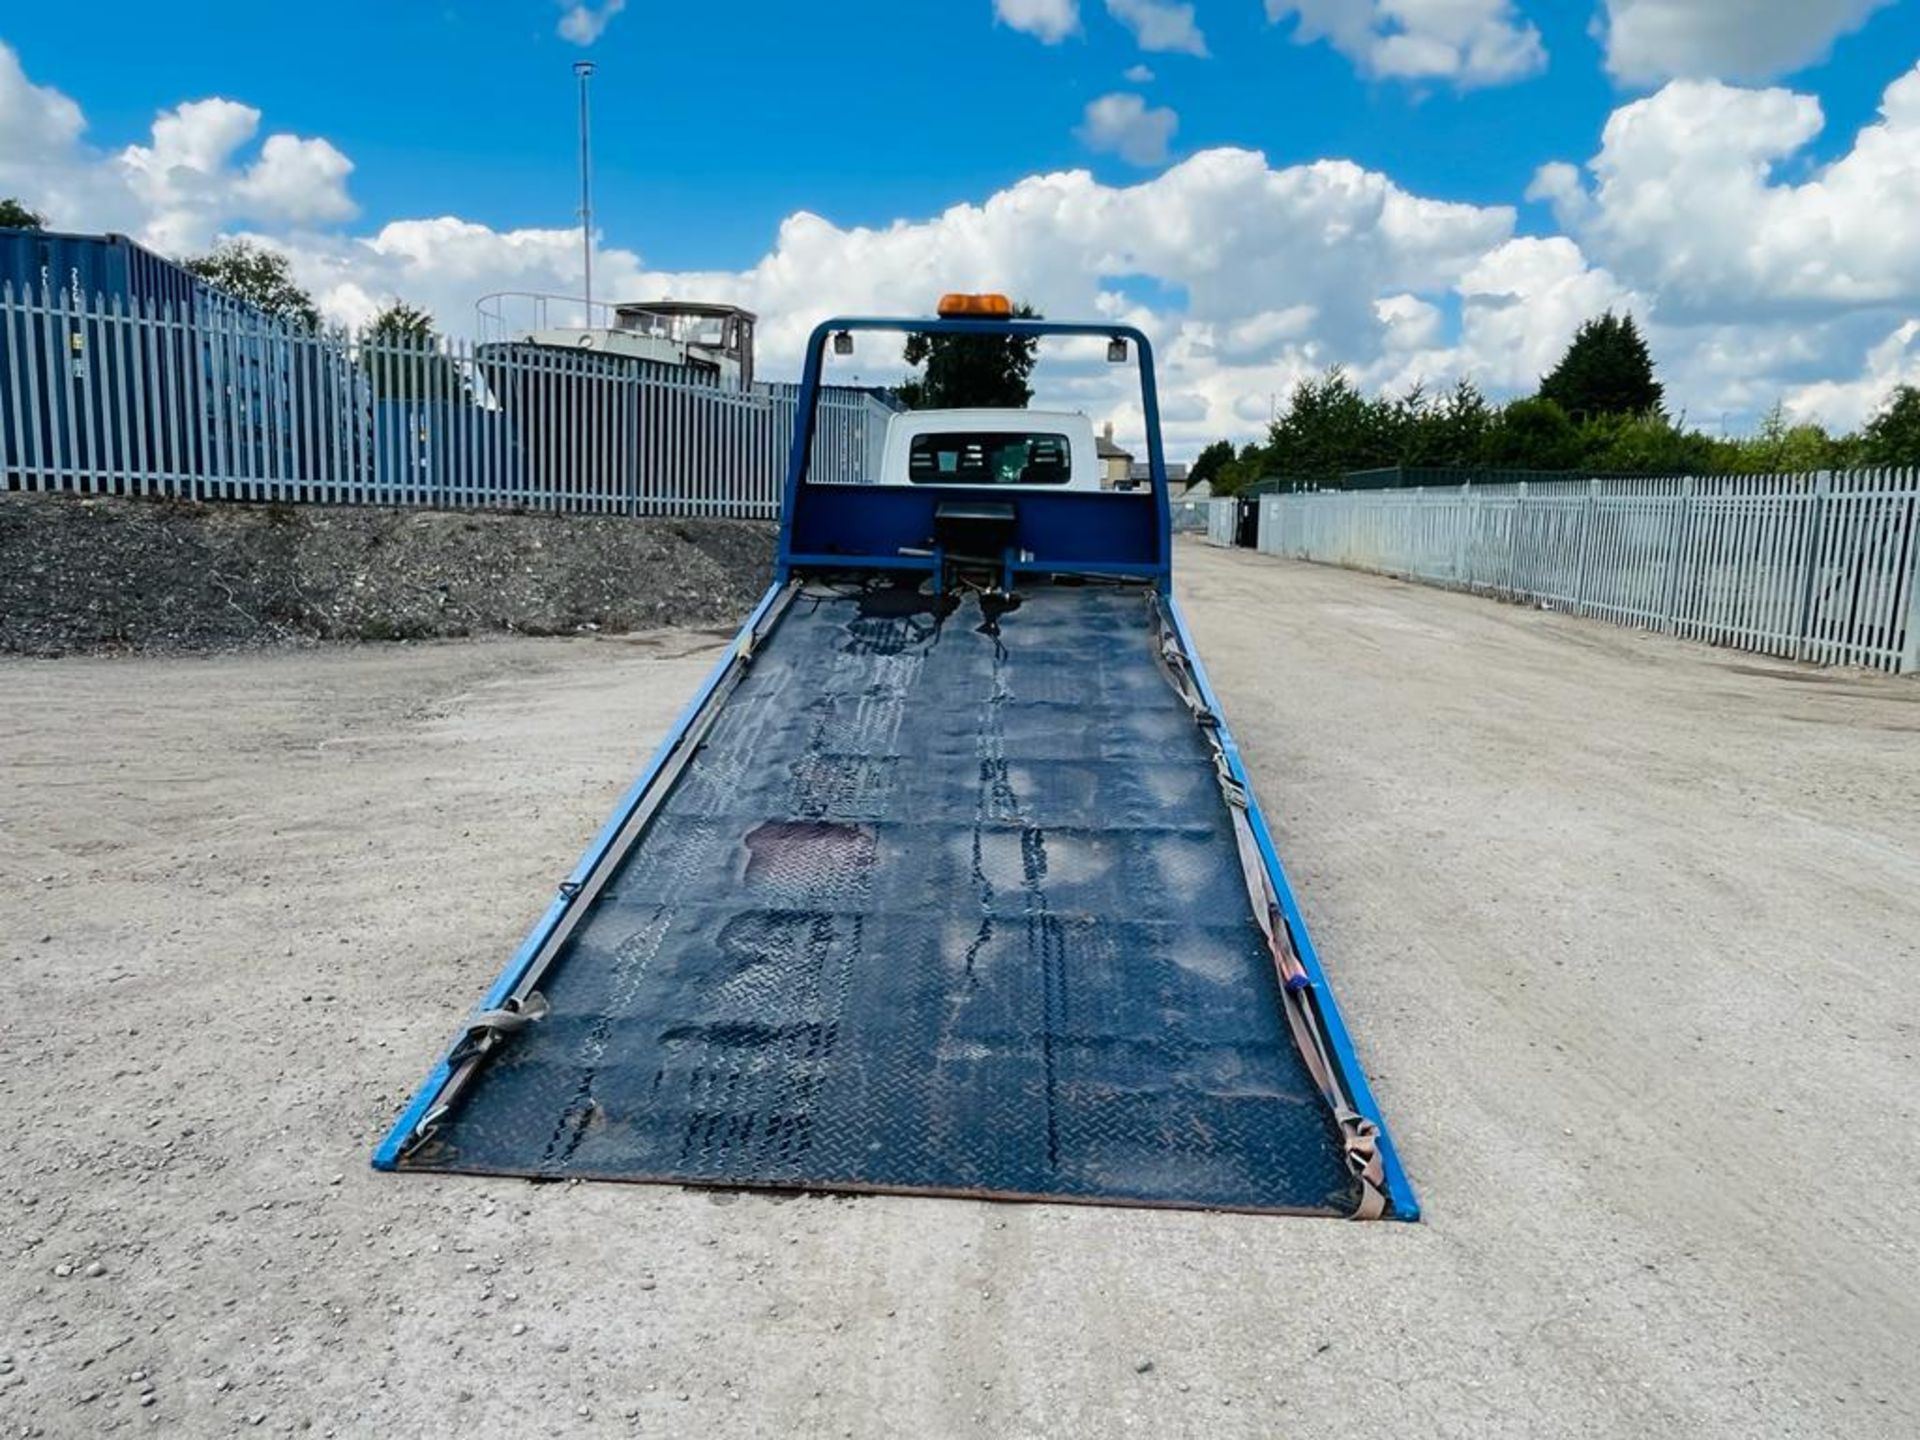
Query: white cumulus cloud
585, 23
1521, 304
1273, 272
1124, 125
1653, 40
34, 119
1685, 201
1049, 21
1159, 25
197, 170
1467, 43
1847, 403
303, 182
189, 180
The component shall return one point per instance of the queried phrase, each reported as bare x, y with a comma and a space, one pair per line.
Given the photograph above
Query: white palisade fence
1818, 567
205, 402
1192, 516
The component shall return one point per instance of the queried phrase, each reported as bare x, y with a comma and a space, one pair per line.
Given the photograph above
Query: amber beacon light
954, 307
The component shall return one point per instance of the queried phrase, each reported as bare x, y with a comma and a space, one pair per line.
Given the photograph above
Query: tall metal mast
584, 69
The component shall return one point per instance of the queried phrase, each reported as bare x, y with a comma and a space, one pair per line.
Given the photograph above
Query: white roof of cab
1031, 420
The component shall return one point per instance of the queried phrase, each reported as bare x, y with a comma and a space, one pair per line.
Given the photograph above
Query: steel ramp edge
599, 853
1405, 1204
756, 972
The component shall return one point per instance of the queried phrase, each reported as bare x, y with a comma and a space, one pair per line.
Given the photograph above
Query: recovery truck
949, 880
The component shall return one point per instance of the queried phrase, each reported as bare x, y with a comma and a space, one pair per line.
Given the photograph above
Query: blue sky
714, 126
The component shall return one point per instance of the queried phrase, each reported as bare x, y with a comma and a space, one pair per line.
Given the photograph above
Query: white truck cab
1007, 449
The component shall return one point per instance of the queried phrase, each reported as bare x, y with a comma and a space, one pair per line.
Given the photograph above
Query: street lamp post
584, 70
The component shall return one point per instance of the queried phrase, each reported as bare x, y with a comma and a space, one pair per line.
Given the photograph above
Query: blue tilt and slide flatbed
949, 881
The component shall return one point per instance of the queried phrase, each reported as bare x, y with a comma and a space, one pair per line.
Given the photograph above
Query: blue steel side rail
1339, 1043
573, 890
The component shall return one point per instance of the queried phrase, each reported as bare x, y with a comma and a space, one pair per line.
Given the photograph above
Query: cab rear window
975, 458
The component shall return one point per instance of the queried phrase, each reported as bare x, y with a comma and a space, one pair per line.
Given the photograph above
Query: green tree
16, 216
1607, 370
1643, 444
400, 350
260, 277
1449, 430
1330, 428
1244, 469
1810, 447
1533, 435
1892, 437
957, 371
1779, 447
1210, 461
400, 322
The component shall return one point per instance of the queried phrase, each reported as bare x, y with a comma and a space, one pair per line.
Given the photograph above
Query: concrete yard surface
1627, 930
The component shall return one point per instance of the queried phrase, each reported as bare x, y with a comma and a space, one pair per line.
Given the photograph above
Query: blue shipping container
84, 267
83, 393
437, 452
135, 365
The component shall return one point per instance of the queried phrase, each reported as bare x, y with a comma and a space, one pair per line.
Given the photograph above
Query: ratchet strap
1359, 1136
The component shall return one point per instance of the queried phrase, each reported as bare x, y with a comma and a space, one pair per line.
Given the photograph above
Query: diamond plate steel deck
944, 903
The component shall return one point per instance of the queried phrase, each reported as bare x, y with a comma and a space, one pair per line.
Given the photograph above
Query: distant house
1120, 471
1141, 473
1116, 465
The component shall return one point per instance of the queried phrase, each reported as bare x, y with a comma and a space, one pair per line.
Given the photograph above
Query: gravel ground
1626, 930
148, 575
